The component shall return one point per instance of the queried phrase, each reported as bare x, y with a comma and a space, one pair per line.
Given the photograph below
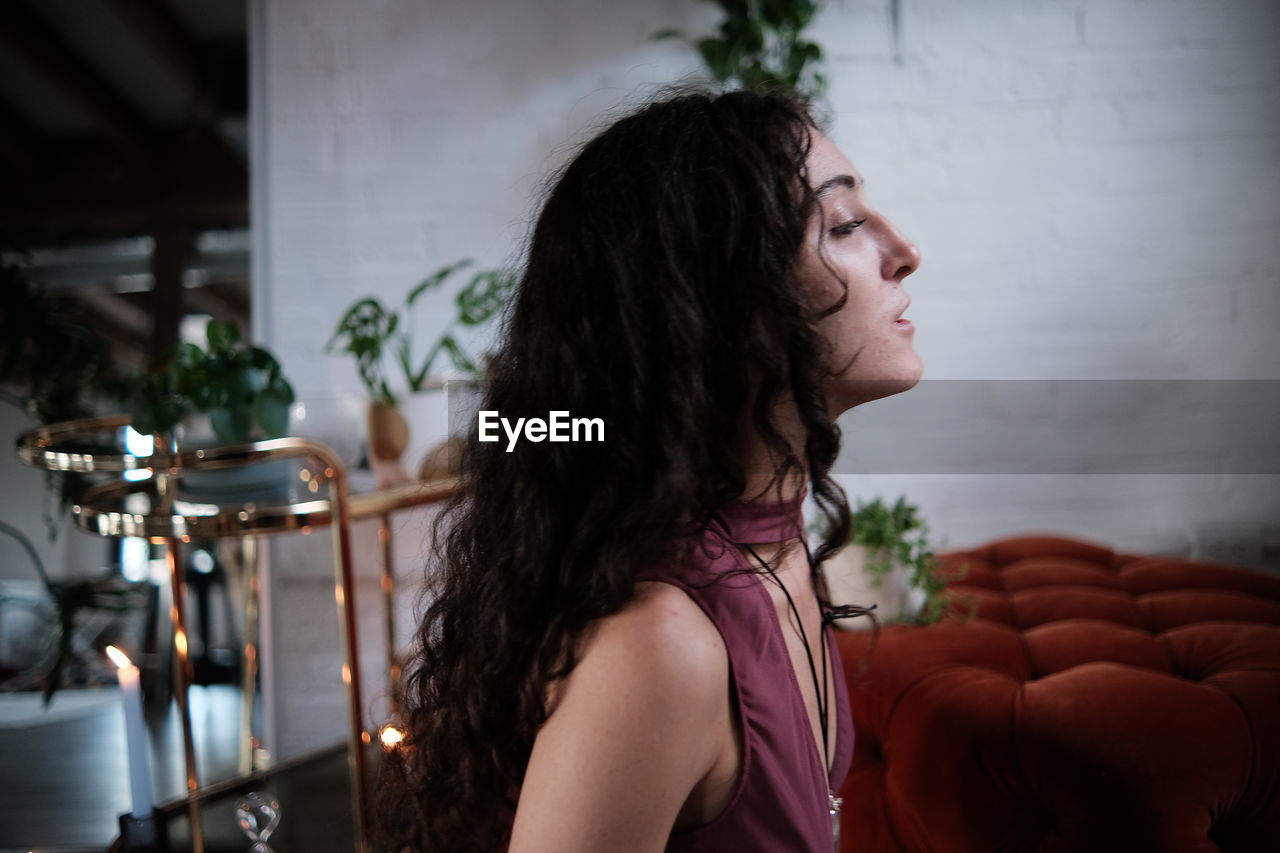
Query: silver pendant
833, 808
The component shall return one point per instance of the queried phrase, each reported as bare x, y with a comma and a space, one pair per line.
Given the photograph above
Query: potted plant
889, 563
762, 44
239, 386
242, 391
372, 333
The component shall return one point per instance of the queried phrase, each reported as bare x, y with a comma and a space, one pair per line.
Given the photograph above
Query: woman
625, 651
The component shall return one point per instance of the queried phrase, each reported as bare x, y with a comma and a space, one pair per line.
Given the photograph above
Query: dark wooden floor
63, 785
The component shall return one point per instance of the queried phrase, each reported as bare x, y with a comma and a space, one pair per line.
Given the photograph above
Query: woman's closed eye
846, 228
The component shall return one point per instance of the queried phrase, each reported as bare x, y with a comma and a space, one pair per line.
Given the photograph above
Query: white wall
1093, 185
1095, 189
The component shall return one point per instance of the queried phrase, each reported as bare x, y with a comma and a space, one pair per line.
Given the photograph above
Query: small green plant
760, 43
897, 535
370, 332
240, 386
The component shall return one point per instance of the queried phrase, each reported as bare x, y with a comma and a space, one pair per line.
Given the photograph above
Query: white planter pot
427, 414
466, 396
849, 582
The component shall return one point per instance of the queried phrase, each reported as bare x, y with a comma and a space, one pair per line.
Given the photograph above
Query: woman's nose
902, 258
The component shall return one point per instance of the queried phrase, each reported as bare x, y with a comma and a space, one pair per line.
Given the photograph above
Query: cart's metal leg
345, 593
389, 607
182, 676
249, 682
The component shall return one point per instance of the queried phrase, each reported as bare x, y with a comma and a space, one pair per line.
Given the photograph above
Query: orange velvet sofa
1097, 701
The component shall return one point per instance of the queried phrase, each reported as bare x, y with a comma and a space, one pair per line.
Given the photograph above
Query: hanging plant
54, 365
761, 44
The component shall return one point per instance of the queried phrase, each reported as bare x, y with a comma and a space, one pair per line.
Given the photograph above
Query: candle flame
391, 737
119, 658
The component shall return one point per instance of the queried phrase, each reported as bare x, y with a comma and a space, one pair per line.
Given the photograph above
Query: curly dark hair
658, 294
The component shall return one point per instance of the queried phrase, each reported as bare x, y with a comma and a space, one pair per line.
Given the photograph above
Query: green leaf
247, 384
716, 55
436, 279
281, 388
778, 13
260, 359
222, 335
144, 419
186, 359
232, 424
802, 12
206, 396
363, 331
484, 297
459, 358
383, 394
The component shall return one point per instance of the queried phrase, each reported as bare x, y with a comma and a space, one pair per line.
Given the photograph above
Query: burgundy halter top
780, 802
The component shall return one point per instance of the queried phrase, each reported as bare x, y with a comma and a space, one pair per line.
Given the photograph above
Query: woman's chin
844, 394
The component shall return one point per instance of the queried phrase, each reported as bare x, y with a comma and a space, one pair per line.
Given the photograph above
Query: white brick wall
1094, 186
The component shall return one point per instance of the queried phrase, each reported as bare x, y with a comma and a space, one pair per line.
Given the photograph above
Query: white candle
135, 733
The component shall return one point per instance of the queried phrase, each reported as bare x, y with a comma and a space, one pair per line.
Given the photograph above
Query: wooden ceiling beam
157, 26
92, 194
47, 53
211, 302
20, 142
233, 295
128, 318
197, 68
43, 224
123, 325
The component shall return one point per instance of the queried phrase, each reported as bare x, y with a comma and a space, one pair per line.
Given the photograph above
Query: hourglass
258, 814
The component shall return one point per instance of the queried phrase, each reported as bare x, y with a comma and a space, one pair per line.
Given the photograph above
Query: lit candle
135, 733
391, 737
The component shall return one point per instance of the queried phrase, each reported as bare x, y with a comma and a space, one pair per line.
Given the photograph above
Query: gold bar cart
154, 508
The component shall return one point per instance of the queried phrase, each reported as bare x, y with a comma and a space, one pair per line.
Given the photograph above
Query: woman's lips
905, 324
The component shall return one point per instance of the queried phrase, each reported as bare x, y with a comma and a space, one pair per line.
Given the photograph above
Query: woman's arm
632, 731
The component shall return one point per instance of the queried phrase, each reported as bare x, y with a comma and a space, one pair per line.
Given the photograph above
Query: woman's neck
761, 462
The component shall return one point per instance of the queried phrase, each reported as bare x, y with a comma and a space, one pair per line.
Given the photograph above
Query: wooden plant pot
388, 433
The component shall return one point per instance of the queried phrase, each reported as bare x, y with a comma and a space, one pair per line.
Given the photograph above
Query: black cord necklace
820, 688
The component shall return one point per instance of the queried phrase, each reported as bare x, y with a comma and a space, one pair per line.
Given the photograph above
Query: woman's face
850, 241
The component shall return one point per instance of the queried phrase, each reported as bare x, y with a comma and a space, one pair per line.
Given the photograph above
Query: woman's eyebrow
847, 181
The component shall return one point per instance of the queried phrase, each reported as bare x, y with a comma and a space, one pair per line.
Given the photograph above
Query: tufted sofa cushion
1097, 701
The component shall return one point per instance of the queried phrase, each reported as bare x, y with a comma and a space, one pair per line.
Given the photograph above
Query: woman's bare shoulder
669, 627
629, 724
662, 638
